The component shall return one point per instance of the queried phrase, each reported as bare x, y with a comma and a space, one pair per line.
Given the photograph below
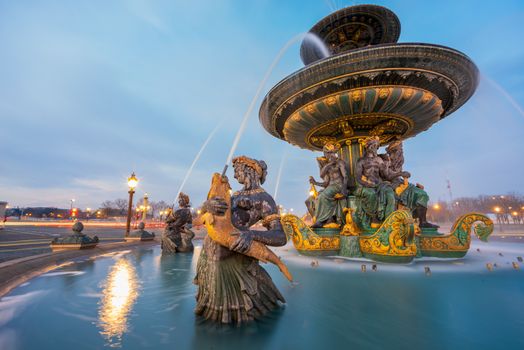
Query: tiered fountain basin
393, 91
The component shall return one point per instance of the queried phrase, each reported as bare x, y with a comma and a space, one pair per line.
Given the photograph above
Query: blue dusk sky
93, 90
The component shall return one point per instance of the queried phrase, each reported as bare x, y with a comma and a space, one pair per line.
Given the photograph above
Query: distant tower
449, 191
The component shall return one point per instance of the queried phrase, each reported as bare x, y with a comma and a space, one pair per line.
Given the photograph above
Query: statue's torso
335, 175
180, 218
371, 167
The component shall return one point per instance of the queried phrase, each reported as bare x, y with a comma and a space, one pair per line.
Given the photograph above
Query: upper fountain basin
351, 28
393, 91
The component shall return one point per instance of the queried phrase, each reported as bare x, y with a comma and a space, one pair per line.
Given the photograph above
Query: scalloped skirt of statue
232, 288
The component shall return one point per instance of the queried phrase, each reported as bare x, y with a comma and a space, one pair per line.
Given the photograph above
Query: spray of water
319, 44
277, 185
197, 157
505, 94
277, 59
331, 5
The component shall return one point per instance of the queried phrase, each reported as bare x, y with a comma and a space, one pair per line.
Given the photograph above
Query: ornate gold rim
392, 69
309, 135
362, 90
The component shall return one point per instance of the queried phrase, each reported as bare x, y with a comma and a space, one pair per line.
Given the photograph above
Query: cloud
92, 91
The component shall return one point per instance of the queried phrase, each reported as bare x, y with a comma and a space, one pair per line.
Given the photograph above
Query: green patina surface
350, 247
326, 232
142, 234
76, 238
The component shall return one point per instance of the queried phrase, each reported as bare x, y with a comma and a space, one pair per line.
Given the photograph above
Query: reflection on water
119, 295
333, 305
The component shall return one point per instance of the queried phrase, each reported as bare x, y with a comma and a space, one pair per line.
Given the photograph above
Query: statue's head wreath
184, 197
370, 140
331, 147
394, 146
259, 166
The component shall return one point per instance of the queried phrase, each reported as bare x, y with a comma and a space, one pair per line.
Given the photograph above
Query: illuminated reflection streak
119, 295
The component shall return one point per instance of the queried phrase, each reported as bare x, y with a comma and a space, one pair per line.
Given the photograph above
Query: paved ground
22, 240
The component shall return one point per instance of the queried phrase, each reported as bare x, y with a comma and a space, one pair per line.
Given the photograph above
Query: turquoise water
139, 299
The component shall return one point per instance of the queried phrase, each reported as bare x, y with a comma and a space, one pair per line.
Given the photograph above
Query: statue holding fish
232, 286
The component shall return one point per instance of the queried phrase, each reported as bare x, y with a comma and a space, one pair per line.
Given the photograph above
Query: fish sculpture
221, 230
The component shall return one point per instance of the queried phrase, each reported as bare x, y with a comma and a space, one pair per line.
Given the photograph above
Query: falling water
277, 185
315, 40
190, 170
263, 83
505, 93
331, 5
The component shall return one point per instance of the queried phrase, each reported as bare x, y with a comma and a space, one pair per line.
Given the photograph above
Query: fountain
142, 298
371, 89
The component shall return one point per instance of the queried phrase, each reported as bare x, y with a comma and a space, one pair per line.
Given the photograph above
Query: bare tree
157, 206
107, 205
121, 205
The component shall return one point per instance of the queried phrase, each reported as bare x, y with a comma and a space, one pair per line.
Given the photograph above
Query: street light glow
132, 181
436, 206
497, 209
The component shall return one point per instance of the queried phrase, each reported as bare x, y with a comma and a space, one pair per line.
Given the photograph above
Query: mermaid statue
233, 287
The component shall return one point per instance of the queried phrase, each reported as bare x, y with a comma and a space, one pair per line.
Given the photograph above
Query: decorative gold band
268, 219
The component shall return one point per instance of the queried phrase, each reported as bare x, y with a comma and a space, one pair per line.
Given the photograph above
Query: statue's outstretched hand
243, 242
215, 206
405, 174
311, 180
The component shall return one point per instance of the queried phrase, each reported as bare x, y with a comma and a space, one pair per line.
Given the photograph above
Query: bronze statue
409, 195
141, 234
375, 194
233, 287
334, 175
178, 235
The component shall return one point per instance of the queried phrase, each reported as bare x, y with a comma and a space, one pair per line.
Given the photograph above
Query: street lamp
71, 211
132, 182
145, 207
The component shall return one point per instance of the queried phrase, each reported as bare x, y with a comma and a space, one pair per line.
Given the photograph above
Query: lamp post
132, 182
146, 207
499, 214
71, 210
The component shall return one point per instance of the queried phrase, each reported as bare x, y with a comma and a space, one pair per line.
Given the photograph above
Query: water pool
141, 299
